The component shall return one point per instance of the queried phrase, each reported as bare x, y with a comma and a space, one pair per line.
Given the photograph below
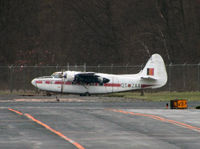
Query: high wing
89, 77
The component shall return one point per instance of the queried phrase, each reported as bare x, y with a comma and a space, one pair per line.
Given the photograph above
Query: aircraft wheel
85, 94
48, 93
88, 94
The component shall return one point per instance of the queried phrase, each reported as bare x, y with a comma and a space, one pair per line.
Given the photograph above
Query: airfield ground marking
159, 119
77, 145
15, 111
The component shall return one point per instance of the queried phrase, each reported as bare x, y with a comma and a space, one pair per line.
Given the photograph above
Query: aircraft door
115, 84
108, 87
63, 78
62, 84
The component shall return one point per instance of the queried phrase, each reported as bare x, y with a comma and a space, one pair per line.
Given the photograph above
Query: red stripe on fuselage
38, 82
112, 85
70, 83
95, 84
58, 82
48, 82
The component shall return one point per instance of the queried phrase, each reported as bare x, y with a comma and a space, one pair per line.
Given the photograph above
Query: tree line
57, 32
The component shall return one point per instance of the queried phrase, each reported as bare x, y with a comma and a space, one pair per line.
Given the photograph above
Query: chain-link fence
181, 77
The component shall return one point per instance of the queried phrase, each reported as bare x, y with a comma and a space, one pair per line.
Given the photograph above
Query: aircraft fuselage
117, 83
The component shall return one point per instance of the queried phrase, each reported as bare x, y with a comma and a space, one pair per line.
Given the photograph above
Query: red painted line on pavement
159, 119
15, 111
77, 145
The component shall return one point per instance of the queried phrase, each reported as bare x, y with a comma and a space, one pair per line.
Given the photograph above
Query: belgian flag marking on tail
150, 71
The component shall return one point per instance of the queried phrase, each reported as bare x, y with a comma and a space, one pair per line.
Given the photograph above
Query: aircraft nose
33, 82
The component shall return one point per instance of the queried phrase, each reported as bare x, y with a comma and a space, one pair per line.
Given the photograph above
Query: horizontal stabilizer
148, 78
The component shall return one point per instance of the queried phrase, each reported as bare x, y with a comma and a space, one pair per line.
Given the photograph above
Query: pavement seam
77, 145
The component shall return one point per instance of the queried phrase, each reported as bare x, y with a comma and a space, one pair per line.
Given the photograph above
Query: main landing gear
85, 94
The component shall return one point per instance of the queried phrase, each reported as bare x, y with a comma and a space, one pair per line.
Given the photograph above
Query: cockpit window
44, 77
57, 75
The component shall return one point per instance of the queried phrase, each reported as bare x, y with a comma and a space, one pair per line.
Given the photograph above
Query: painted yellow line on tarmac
77, 145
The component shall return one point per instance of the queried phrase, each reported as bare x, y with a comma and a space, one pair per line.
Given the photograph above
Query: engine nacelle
69, 75
102, 80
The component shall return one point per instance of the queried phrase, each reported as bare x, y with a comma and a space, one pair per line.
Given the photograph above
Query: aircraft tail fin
155, 71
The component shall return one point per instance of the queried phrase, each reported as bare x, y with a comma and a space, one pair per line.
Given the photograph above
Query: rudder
155, 71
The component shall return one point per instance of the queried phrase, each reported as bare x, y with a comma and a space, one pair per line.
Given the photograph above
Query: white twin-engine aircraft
153, 75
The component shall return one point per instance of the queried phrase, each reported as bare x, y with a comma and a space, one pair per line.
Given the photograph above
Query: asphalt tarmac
97, 125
